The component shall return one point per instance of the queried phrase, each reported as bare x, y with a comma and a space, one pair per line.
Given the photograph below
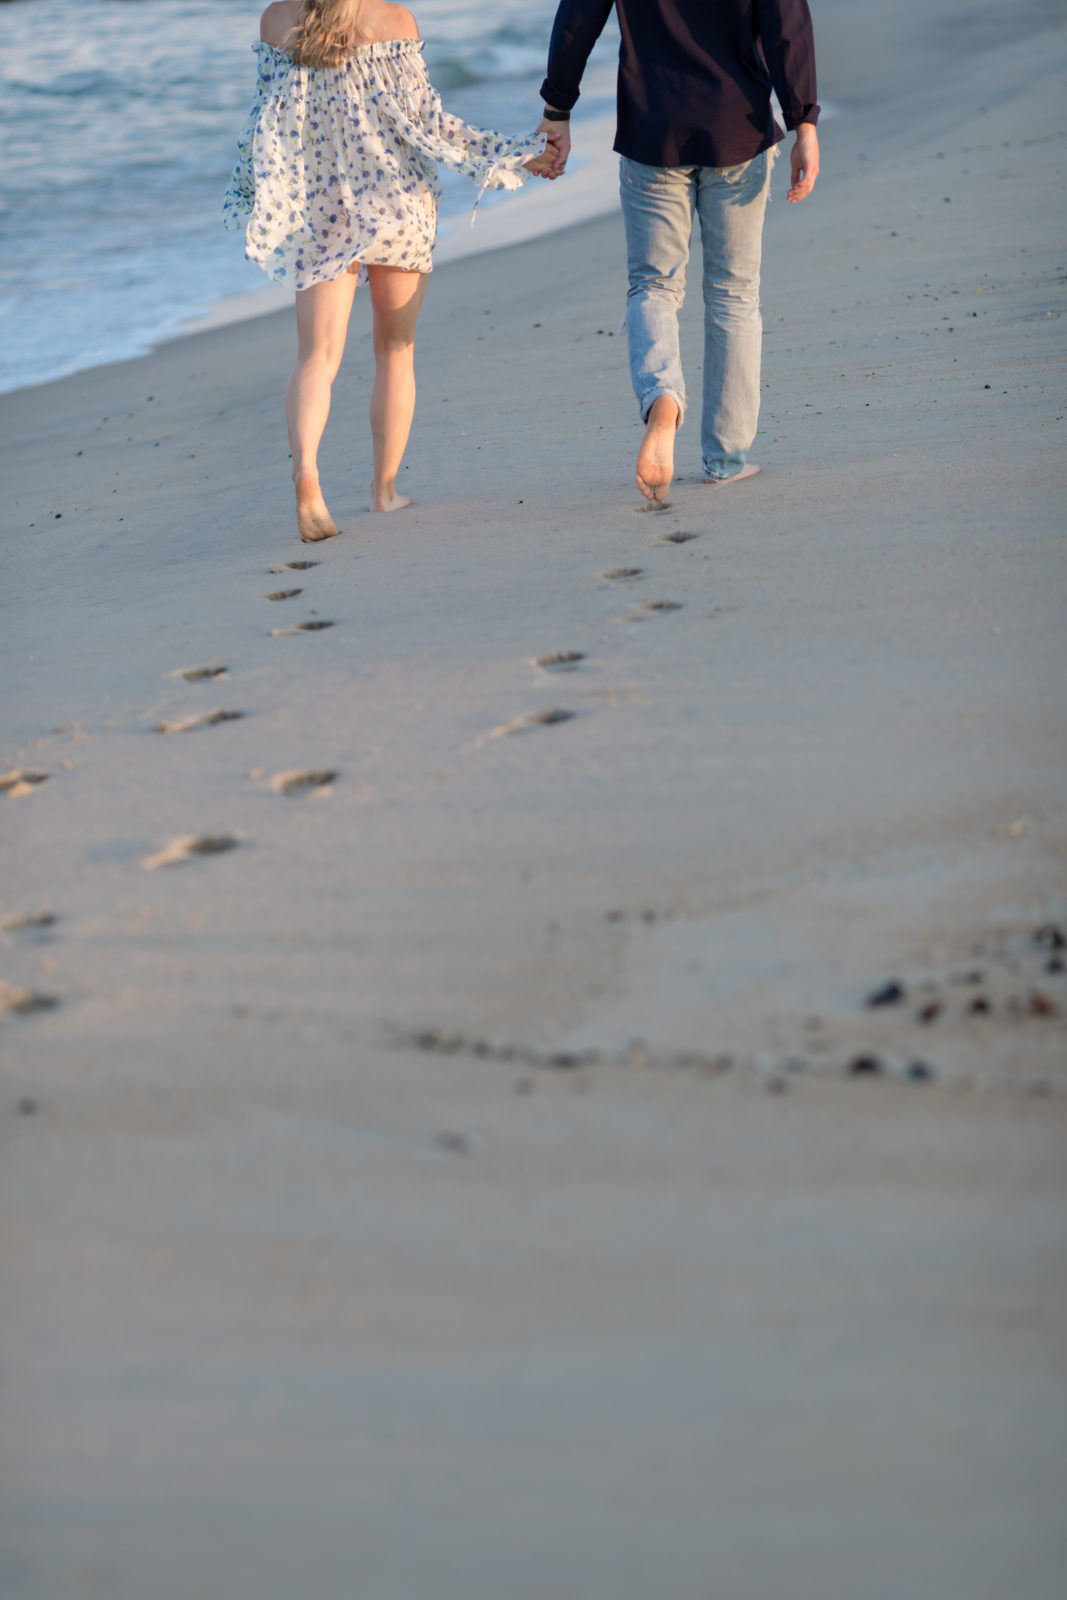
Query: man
695, 135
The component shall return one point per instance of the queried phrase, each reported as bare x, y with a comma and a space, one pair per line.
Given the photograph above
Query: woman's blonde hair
327, 33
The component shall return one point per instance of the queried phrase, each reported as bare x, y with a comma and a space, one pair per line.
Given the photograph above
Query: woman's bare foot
747, 471
312, 518
386, 498
655, 463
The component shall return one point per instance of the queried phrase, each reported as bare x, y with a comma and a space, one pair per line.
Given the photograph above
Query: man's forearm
578, 26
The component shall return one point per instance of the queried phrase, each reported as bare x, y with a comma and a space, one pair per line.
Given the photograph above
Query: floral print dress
339, 164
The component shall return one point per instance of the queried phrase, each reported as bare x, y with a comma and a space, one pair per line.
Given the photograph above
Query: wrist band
557, 116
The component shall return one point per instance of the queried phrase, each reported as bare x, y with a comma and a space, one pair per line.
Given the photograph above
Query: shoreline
589, 190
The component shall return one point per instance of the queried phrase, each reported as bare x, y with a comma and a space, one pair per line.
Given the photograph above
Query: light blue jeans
658, 206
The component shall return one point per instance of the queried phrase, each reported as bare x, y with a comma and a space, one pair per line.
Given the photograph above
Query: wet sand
450, 1147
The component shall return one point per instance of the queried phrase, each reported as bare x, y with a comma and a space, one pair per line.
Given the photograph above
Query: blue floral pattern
338, 165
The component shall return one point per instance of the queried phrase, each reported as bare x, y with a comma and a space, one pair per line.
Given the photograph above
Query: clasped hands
552, 164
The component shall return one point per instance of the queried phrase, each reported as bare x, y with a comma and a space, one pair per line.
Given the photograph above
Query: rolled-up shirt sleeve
578, 26
788, 41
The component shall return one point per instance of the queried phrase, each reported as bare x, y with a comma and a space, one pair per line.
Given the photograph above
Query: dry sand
443, 1175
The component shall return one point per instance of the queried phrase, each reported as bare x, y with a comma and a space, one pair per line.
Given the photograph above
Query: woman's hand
545, 166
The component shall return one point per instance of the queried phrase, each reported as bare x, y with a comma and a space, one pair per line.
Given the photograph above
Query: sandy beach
533, 1036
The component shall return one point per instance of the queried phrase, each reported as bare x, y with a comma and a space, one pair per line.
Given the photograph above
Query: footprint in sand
297, 783
201, 719
660, 605
302, 627
560, 660
18, 782
677, 538
621, 574
189, 845
31, 927
533, 719
198, 674
22, 1002
294, 566
283, 594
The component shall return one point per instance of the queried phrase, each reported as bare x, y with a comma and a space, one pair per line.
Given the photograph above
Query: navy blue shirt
695, 76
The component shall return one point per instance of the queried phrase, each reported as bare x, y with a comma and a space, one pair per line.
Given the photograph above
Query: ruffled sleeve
493, 160
240, 194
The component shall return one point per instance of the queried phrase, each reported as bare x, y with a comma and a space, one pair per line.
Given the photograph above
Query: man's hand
804, 162
562, 132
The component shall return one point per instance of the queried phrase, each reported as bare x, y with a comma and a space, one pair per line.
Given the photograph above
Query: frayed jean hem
647, 401
726, 467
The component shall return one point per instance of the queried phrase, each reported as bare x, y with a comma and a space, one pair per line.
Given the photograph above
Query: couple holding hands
337, 174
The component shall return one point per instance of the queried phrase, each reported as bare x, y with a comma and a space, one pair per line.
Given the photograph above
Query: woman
336, 171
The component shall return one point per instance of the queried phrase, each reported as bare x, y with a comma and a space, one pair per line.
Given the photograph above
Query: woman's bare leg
397, 299
322, 316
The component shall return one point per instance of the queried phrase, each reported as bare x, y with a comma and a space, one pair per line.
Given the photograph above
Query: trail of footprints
971, 994
188, 847
560, 661
289, 784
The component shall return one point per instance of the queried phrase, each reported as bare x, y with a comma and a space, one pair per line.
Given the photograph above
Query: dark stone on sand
435, 1040
777, 1086
1041, 1005
920, 1072
28, 1108
1051, 936
980, 1006
1054, 967
565, 1061
929, 1013
865, 1067
890, 994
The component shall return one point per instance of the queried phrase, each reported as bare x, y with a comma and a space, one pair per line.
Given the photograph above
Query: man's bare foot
655, 463
747, 471
312, 518
386, 498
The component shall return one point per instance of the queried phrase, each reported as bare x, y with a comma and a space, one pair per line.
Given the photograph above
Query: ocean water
118, 125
